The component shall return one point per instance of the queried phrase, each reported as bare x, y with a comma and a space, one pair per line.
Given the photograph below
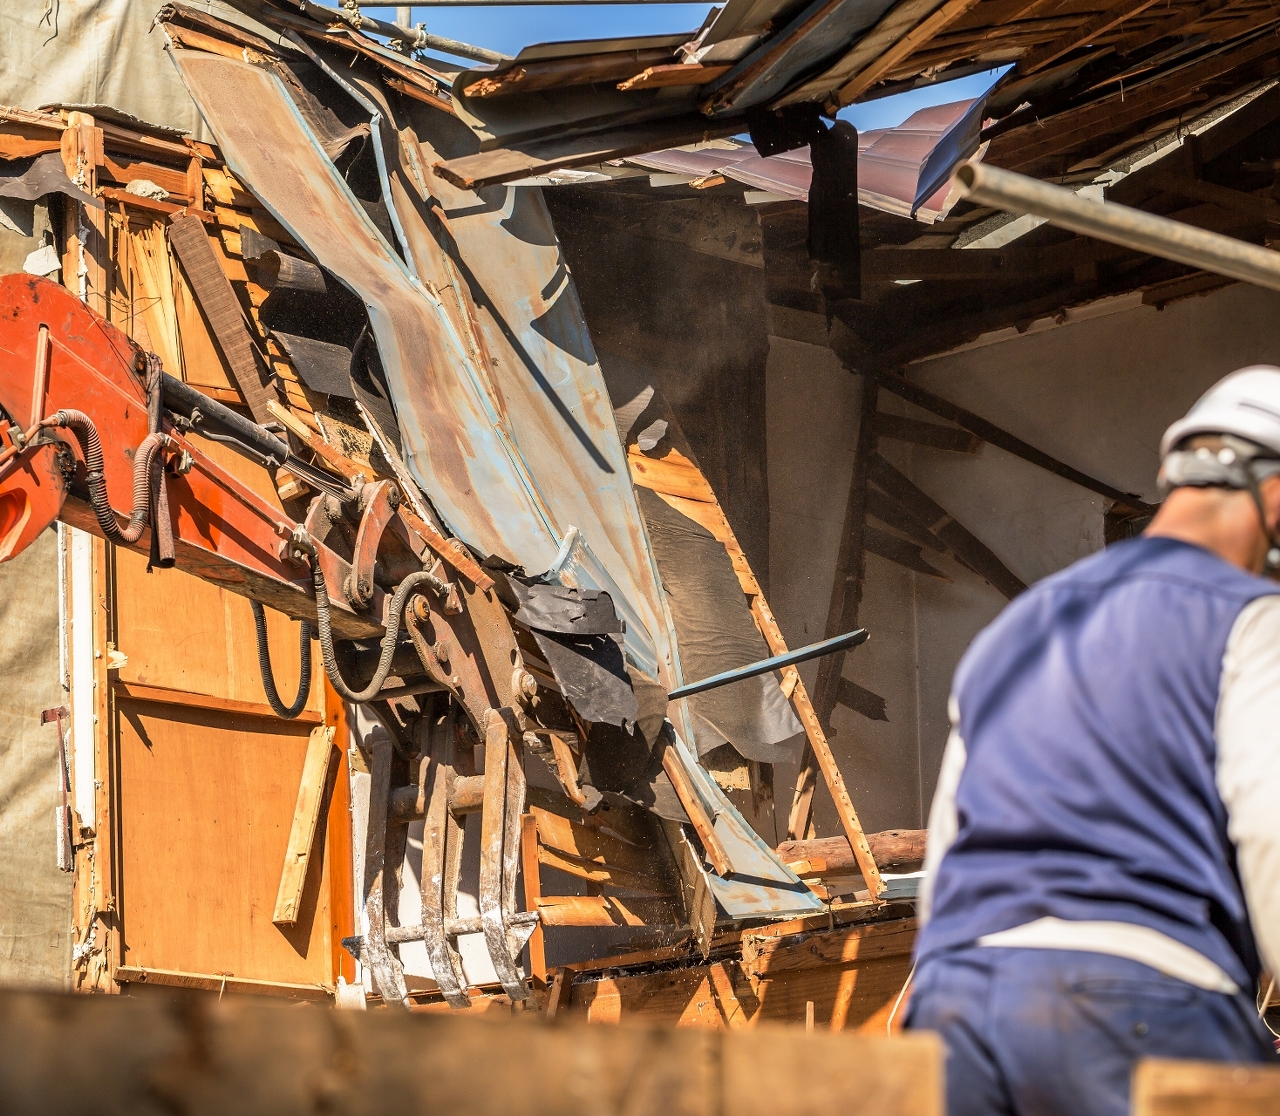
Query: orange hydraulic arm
92, 433
55, 354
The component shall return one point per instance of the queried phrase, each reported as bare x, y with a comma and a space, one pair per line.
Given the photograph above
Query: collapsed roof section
495, 406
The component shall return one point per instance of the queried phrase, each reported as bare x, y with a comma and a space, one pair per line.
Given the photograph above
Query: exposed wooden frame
927, 29
1083, 35
989, 432
1172, 26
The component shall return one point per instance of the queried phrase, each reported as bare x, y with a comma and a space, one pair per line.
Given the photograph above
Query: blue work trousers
1051, 1032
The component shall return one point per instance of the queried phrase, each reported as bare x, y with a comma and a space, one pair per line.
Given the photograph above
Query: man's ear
1269, 490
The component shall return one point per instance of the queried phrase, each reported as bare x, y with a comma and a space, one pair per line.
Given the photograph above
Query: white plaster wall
813, 406
1096, 394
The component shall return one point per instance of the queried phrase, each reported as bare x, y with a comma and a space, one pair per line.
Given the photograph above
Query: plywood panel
206, 802
185, 634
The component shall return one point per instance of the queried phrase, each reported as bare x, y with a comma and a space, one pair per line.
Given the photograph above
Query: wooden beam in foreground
1168, 1088
62, 1055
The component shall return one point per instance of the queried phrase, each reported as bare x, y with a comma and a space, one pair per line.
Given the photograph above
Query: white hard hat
1245, 404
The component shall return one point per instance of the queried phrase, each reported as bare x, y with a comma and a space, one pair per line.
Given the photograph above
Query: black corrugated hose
145, 463
394, 613
268, 676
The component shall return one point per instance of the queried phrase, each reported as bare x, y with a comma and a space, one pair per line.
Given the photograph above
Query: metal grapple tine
497, 891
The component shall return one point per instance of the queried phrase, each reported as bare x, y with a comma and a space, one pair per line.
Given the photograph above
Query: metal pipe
415, 40
764, 666
1119, 224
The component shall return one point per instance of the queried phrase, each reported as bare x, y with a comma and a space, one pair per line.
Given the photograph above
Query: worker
1103, 869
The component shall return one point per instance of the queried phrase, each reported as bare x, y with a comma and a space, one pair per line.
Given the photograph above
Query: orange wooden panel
206, 804
186, 634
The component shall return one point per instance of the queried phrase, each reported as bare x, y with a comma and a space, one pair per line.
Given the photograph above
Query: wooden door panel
206, 803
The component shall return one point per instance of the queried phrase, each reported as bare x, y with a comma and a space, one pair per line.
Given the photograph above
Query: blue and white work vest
1087, 712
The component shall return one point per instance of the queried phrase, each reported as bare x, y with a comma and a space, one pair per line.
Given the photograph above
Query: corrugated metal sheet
519, 454
904, 170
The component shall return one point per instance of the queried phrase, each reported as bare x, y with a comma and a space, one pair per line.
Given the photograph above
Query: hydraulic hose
145, 464
268, 676
394, 613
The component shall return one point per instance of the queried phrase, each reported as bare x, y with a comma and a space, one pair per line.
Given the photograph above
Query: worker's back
1087, 714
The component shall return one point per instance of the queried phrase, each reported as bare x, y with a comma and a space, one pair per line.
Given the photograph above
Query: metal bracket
380, 502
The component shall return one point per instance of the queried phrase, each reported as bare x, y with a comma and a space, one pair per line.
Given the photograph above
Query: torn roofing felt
502, 413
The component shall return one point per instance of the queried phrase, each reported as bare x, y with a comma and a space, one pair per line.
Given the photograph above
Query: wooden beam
560, 73
768, 957
842, 616
1167, 1088
1195, 189
660, 77
313, 795
162, 695
894, 849
561, 992
1174, 25
912, 41
1116, 112
969, 264
221, 982
898, 551
532, 893
703, 824
817, 744
962, 544
1038, 59
989, 432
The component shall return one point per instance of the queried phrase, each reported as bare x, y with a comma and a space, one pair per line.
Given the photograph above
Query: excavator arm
94, 434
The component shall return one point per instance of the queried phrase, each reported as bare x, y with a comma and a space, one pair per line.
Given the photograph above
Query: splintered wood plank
217, 301
912, 41
656, 77
221, 982
591, 845
607, 910
312, 799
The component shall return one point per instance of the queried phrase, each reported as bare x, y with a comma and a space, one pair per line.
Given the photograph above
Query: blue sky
509, 28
